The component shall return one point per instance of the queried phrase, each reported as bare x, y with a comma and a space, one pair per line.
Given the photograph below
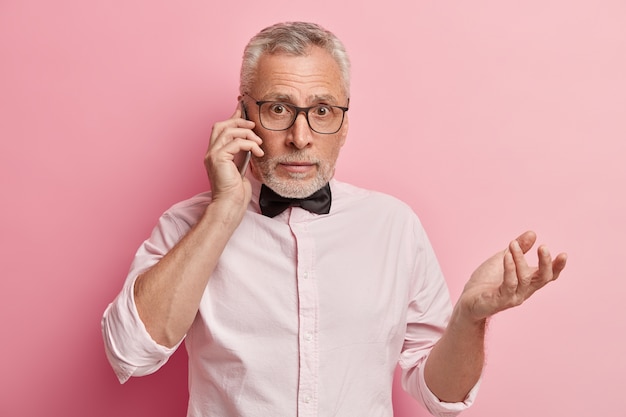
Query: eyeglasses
322, 118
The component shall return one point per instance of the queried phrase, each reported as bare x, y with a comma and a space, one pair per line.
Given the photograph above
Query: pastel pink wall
489, 118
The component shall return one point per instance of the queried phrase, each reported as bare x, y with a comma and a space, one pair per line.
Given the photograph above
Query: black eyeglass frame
299, 110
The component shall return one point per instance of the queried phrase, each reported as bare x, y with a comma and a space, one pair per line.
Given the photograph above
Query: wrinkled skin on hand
506, 280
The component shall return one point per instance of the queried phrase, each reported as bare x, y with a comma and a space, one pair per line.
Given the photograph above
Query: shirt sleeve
128, 345
427, 317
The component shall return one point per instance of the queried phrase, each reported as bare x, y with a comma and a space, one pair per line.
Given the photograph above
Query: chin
295, 187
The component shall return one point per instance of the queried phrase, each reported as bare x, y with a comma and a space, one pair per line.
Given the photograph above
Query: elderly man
297, 294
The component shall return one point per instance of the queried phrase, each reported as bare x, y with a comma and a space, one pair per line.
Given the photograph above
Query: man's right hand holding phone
168, 294
230, 141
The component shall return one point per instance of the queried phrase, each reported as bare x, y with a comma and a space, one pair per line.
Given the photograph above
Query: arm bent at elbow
503, 281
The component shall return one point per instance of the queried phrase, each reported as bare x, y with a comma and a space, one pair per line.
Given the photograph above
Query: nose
299, 133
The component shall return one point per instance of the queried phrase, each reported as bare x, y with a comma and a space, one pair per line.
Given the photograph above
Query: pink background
489, 118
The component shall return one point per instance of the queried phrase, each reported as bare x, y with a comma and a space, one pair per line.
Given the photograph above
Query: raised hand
506, 280
229, 139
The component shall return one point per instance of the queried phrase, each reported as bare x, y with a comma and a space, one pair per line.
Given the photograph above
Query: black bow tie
273, 204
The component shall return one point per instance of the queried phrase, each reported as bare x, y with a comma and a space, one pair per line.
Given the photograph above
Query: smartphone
243, 159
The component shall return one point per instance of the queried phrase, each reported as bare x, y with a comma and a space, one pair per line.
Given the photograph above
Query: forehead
298, 78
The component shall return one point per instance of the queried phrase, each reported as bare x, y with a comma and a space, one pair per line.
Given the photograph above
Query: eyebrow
324, 98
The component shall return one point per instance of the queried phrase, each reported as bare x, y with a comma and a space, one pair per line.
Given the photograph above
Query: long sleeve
427, 316
128, 346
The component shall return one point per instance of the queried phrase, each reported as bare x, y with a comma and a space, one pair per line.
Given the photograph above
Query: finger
517, 253
545, 272
238, 145
235, 121
510, 281
238, 114
558, 265
219, 127
232, 133
228, 152
526, 240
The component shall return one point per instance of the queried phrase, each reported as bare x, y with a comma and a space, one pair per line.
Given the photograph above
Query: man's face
297, 161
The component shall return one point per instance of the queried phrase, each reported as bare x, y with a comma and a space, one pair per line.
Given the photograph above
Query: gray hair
292, 38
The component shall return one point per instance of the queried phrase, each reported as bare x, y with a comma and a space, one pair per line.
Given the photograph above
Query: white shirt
305, 314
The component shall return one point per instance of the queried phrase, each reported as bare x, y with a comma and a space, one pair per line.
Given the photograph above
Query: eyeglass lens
281, 116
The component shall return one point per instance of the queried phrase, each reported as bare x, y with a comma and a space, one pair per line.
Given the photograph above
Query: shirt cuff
444, 409
128, 345
414, 382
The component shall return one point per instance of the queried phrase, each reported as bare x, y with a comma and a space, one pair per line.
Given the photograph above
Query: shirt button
305, 275
308, 336
307, 399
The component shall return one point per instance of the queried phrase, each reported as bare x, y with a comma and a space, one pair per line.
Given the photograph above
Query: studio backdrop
488, 118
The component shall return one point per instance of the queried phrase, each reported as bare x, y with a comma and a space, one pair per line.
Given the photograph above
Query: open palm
506, 280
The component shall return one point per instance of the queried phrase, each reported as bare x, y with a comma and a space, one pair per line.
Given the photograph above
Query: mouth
297, 167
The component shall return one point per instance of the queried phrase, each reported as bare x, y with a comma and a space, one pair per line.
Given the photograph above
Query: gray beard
295, 186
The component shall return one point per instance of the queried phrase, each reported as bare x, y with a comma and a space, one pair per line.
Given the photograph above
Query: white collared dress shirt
305, 315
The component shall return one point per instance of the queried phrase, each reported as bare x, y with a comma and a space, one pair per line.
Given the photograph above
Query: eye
322, 111
278, 109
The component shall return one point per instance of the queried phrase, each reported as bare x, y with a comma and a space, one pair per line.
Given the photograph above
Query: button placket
308, 319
